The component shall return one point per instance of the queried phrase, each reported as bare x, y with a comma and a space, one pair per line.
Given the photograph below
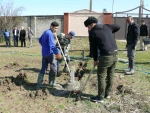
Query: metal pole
90, 5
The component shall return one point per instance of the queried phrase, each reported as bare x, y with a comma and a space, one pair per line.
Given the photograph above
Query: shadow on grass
142, 62
119, 71
68, 94
30, 69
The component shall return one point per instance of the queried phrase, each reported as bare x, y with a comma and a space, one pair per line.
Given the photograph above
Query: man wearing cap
64, 40
49, 48
103, 40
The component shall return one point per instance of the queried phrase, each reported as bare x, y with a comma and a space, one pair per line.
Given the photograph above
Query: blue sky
58, 7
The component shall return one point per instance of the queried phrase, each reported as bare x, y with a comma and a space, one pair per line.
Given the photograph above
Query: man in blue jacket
7, 37
49, 48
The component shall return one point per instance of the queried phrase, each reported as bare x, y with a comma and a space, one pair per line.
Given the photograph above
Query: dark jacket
22, 34
143, 30
14, 32
133, 34
102, 39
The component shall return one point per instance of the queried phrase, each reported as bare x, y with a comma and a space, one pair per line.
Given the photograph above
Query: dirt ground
18, 92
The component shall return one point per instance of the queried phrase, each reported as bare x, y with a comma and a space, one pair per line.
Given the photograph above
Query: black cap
90, 20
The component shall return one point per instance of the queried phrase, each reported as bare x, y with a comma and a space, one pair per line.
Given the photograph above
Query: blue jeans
130, 55
59, 61
45, 61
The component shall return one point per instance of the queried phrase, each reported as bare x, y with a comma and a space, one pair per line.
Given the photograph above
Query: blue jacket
48, 43
6, 34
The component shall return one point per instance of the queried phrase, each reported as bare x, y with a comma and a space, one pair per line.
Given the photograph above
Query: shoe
130, 72
107, 97
97, 99
126, 70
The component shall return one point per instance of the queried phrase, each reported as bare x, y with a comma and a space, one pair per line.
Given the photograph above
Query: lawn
130, 93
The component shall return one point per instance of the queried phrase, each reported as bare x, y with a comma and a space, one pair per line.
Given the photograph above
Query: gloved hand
133, 47
58, 56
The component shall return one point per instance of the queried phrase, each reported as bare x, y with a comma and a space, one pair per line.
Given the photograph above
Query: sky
59, 7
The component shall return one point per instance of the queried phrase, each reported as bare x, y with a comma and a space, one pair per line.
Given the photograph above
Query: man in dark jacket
143, 35
132, 40
23, 36
15, 34
102, 39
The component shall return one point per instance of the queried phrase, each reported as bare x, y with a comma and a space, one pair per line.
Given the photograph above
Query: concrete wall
41, 23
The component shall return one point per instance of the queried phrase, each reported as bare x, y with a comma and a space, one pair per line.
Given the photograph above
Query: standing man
30, 34
7, 37
103, 40
143, 35
23, 36
132, 40
64, 40
15, 34
49, 48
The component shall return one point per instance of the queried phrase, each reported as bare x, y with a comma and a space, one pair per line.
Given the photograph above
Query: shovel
83, 87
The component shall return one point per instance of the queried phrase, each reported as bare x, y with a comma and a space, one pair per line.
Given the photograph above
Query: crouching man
64, 40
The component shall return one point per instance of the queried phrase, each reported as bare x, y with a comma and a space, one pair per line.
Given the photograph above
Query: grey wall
121, 34
41, 23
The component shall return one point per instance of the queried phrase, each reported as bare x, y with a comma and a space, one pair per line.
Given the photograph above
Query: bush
1, 39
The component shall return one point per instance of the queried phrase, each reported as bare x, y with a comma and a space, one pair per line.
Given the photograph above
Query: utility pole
90, 5
140, 11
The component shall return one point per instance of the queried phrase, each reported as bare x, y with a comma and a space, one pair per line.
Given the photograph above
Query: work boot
97, 99
58, 73
130, 72
127, 70
39, 81
65, 70
52, 81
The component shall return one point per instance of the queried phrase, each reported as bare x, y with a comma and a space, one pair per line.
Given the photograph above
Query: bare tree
9, 16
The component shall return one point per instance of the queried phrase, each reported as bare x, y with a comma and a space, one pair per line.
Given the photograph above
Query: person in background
15, 35
7, 37
143, 35
30, 34
23, 36
132, 40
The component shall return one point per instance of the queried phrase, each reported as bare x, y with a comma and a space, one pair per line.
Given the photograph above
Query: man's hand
95, 63
58, 56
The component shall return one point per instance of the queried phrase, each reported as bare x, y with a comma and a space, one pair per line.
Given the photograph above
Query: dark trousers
48, 60
130, 55
15, 40
105, 74
7, 39
23, 42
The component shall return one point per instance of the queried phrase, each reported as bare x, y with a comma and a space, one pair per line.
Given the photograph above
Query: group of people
18, 35
103, 48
